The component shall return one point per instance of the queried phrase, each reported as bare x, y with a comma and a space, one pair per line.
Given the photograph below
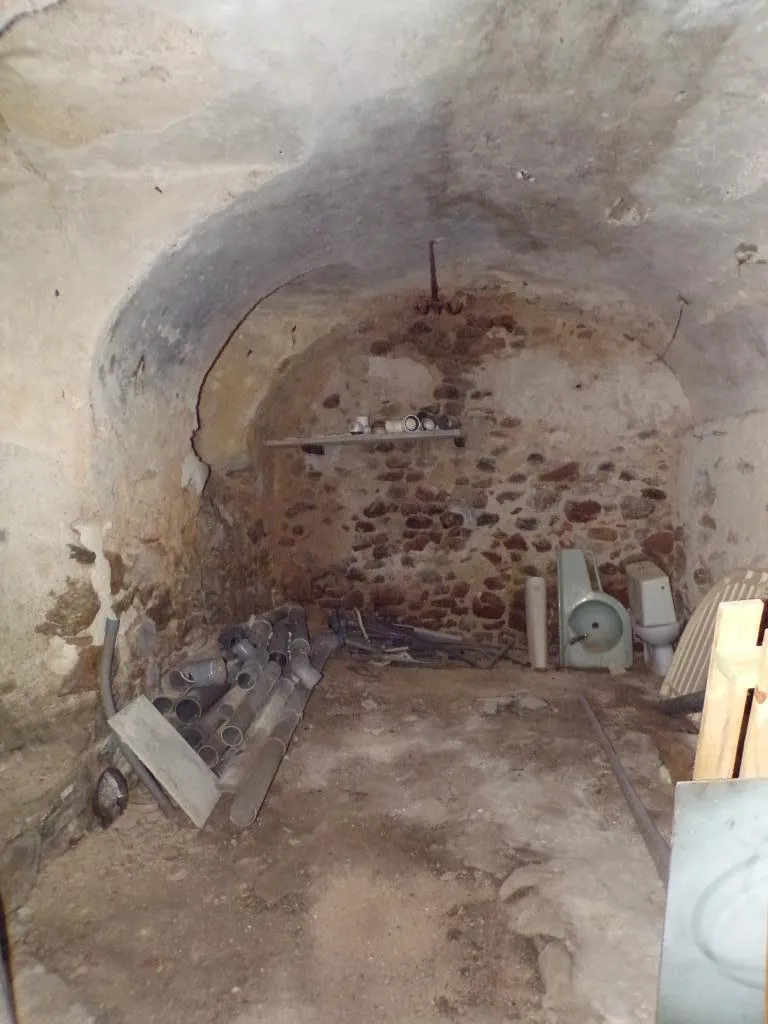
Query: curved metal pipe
108, 703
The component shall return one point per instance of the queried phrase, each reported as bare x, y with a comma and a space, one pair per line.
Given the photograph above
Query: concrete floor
418, 860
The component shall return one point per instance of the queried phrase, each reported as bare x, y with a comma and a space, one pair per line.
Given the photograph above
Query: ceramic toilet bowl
657, 642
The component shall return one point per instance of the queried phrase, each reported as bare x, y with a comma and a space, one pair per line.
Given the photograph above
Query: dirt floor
425, 855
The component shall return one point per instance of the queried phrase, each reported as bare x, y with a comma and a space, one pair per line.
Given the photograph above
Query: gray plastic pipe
233, 731
249, 673
243, 649
173, 682
203, 671
249, 705
259, 630
297, 627
276, 614
221, 711
180, 680
163, 704
253, 791
108, 703
193, 736
209, 754
278, 643
323, 647
241, 761
193, 705
300, 667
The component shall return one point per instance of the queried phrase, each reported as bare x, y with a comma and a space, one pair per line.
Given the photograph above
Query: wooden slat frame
734, 668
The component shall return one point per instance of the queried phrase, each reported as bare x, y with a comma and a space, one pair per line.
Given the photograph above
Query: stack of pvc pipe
242, 707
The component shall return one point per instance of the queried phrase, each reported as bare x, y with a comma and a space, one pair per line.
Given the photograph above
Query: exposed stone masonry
427, 532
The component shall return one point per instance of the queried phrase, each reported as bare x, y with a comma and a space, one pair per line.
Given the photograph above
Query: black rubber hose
108, 703
687, 704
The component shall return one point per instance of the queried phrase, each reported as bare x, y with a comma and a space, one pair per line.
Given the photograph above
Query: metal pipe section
252, 793
278, 643
108, 703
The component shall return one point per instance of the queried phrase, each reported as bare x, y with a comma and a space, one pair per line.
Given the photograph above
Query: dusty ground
417, 861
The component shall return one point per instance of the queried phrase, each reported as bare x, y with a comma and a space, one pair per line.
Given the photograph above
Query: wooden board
732, 673
171, 760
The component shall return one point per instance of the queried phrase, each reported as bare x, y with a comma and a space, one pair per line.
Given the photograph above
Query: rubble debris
520, 701
677, 751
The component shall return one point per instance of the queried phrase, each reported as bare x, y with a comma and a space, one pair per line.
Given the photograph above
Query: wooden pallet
733, 741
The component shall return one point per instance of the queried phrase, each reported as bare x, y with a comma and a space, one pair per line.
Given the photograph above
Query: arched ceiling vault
613, 149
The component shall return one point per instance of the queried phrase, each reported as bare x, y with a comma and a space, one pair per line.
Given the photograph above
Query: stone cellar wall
573, 436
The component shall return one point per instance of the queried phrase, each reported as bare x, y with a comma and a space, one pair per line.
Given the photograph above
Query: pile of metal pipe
239, 709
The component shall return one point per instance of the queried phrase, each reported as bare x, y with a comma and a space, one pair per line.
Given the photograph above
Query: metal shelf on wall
321, 440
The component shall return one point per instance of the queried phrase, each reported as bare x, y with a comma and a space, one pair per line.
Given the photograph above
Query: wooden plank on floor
172, 761
754, 760
731, 675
